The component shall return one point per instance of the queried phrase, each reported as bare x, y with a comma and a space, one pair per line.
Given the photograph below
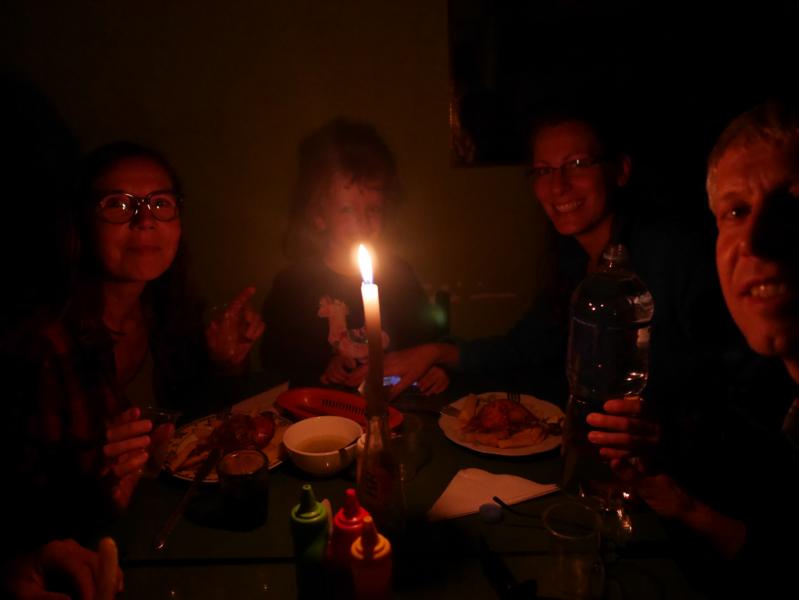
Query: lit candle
374, 335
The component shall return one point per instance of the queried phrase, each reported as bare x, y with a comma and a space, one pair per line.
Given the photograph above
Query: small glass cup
574, 538
410, 447
244, 483
164, 421
233, 327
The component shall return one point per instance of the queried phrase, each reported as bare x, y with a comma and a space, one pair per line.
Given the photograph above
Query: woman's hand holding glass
125, 451
231, 335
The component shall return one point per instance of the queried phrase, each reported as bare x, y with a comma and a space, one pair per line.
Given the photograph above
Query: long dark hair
342, 146
169, 301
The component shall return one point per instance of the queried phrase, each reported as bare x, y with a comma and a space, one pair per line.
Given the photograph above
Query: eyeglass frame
139, 200
567, 169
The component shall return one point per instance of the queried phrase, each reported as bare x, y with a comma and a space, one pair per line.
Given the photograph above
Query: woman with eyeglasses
128, 335
579, 175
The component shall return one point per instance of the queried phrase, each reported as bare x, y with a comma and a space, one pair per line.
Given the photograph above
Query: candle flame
365, 263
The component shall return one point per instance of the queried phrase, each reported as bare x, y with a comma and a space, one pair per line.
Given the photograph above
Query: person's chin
770, 336
568, 224
143, 275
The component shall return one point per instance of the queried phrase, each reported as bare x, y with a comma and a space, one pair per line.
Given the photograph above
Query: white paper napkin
472, 487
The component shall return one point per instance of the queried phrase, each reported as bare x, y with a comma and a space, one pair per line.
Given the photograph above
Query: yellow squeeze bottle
371, 563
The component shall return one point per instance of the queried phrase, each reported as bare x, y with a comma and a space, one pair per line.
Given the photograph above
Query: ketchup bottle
371, 563
347, 527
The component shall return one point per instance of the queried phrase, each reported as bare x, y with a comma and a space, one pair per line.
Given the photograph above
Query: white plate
451, 426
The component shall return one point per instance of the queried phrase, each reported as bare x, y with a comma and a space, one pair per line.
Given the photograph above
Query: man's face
754, 195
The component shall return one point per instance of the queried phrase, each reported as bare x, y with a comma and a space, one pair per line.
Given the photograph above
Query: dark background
226, 91
671, 73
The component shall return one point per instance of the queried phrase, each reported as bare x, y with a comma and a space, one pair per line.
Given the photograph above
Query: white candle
374, 334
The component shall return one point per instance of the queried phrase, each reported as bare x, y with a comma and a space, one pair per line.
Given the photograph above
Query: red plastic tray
313, 402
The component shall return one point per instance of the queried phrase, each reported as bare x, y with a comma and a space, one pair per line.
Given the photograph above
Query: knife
213, 457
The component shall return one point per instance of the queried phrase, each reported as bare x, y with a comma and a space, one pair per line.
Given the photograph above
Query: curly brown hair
342, 146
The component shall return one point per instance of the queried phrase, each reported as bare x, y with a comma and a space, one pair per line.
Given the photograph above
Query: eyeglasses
570, 168
121, 207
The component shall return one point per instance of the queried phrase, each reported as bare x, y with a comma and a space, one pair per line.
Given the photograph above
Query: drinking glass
574, 537
244, 483
410, 447
233, 326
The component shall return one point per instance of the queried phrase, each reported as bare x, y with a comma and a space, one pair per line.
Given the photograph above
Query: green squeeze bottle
309, 527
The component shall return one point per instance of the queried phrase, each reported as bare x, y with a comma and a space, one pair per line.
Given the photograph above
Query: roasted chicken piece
240, 432
501, 415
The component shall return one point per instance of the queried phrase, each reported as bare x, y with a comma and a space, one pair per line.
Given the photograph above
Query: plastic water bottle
608, 357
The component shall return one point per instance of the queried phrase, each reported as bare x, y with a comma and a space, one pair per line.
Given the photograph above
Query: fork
514, 397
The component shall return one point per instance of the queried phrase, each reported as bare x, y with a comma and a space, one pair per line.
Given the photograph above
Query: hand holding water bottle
607, 366
622, 430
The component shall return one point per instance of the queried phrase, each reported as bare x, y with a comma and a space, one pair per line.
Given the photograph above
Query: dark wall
226, 90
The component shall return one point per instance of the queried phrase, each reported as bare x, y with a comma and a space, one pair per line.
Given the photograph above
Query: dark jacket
297, 341
690, 325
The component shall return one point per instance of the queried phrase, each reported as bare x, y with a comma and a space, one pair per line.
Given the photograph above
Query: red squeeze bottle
371, 563
347, 526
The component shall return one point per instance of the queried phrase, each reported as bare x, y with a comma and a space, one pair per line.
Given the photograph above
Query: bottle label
376, 488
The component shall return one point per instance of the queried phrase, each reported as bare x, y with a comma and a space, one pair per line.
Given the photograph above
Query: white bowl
322, 445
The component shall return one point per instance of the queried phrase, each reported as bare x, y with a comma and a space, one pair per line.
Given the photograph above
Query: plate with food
493, 424
193, 442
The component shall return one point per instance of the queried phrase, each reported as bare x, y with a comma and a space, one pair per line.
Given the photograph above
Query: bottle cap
308, 509
352, 513
371, 545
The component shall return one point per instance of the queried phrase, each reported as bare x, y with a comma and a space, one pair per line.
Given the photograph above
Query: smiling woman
575, 180
579, 174
128, 336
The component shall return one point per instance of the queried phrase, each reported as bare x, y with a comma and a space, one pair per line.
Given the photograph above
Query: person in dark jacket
735, 494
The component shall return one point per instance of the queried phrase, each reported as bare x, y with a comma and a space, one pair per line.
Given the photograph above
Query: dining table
209, 557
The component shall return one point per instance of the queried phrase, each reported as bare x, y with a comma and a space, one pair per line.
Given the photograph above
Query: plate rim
213, 478
545, 446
